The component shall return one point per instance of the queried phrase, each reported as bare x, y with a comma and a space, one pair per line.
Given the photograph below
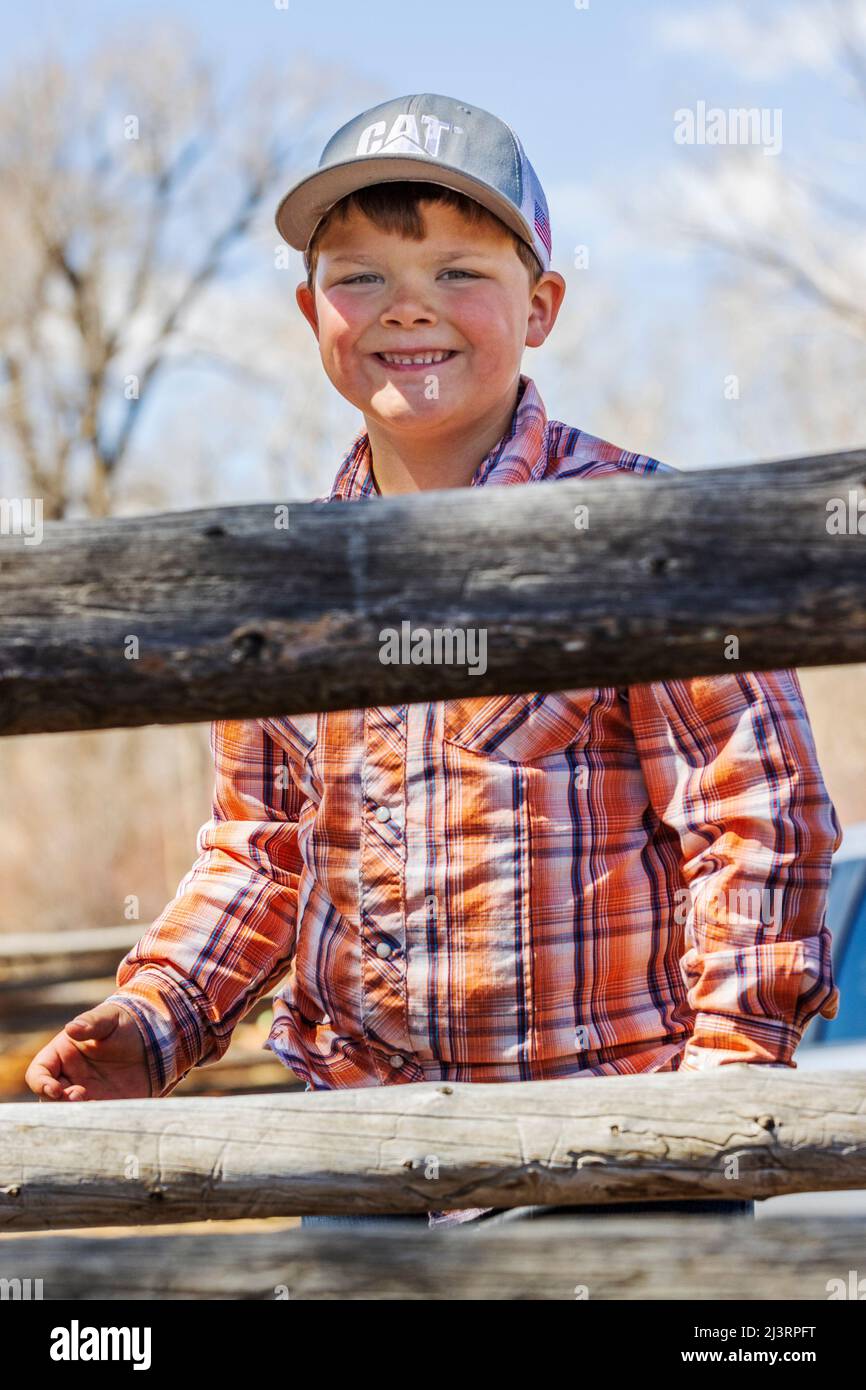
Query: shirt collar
520, 456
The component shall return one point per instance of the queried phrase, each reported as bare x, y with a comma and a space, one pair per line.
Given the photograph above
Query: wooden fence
245, 612
408, 1149
46, 978
225, 613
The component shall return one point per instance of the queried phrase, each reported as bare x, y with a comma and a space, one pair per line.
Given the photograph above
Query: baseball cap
427, 137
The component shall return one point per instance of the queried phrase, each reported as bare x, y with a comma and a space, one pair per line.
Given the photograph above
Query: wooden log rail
46, 978
245, 612
29, 960
744, 1134
579, 1259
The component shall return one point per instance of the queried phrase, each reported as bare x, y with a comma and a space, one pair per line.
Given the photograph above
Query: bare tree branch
90, 222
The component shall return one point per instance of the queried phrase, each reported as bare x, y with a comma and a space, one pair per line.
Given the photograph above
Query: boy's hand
99, 1055
733, 1066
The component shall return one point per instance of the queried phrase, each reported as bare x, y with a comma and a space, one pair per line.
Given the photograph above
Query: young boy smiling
487, 304
477, 889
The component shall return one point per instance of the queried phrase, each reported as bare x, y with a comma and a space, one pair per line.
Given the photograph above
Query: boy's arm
730, 766
228, 934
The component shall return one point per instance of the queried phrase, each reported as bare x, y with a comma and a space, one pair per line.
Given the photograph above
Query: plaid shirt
505, 888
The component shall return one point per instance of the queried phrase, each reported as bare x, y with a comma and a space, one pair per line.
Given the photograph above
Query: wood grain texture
750, 1134
579, 1258
236, 617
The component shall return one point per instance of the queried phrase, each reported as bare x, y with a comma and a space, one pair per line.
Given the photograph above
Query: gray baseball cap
432, 138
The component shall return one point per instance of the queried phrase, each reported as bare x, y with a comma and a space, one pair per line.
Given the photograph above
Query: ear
545, 304
306, 301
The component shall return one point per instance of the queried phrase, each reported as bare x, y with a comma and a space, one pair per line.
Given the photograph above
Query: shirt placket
382, 896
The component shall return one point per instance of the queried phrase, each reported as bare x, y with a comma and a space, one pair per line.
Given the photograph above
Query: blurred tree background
152, 358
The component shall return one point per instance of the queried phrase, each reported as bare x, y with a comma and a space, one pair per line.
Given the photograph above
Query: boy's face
463, 288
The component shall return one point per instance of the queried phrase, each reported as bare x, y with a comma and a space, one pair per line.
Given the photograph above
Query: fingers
95, 1023
72, 1066
41, 1081
63, 1089
55, 1069
42, 1075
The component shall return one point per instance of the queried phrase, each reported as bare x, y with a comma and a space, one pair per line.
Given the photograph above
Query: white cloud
764, 47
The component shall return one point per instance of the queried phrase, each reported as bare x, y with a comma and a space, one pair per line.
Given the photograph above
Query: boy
476, 889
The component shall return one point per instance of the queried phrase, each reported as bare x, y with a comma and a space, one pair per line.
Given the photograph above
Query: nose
408, 306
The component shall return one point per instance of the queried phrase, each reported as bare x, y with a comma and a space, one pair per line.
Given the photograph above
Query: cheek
339, 333
486, 320
342, 318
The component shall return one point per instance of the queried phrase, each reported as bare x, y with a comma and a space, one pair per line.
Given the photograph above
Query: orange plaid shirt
510, 887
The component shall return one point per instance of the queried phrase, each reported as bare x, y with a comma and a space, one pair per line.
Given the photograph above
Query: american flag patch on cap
542, 226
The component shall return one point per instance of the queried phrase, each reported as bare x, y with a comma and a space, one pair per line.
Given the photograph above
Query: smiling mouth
414, 366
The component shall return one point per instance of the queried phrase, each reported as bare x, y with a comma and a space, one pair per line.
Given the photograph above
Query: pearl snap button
383, 950
382, 813
397, 1060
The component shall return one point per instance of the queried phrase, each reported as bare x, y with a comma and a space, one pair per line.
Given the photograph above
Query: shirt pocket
521, 728
298, 734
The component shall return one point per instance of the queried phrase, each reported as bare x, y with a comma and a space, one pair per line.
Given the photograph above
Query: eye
369, 275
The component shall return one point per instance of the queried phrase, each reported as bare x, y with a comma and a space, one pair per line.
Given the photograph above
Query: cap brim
304, 206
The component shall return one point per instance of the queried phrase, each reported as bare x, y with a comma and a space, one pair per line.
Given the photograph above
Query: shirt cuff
169, 1024
723, 1040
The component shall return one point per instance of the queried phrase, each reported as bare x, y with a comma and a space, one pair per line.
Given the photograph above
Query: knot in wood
247, 644
657, 564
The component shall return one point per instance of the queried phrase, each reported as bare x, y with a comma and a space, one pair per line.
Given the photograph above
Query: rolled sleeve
229, 933
731, 767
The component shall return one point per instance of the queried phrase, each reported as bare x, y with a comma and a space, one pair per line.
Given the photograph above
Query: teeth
428, 357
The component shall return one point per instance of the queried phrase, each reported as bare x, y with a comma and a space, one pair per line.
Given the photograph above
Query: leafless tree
780, 221
132, 184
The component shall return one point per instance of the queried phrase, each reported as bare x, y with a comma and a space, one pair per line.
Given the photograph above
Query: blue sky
591, 92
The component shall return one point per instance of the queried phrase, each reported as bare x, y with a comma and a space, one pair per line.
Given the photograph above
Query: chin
390, 404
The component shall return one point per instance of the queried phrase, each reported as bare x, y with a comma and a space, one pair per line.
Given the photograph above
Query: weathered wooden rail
407, 1148
29, 960
224, 613
581, 1258
744, 1134
46, 978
